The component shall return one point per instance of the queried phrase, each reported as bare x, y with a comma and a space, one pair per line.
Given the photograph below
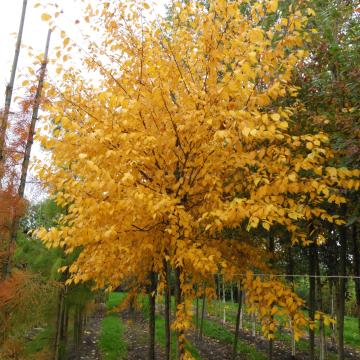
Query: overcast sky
35, 32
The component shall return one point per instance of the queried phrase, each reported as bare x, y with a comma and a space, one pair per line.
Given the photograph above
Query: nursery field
179, 179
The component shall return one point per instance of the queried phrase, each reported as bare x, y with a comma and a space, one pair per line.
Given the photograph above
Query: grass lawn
40, 341
112, 344
216, 331
160, 330
351, 334
115, 299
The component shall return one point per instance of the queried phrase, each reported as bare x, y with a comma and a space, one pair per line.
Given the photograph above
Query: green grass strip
112, 343
42, 340
351, 334
115, 299
214, 330
160, 331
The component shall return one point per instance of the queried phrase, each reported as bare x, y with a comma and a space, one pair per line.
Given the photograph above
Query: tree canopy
181, 137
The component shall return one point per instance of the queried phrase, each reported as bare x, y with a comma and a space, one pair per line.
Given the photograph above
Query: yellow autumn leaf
275, 117
45, 17
66, 42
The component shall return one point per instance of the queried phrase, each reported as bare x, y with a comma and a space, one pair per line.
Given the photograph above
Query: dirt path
212, 349
89, 349
281, 349
137, 336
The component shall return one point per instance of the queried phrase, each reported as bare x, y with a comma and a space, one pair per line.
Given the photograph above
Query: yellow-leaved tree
177, 137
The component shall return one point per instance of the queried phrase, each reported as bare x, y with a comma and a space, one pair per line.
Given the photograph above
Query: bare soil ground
137, 336
213, 349
89, 349
281, 349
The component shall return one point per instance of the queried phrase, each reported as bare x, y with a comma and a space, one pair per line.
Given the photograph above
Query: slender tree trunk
312, 298
152, 302
167, 312
332, 306
241, 325
237, 327
293, 343
203, 312
81, 326
322, 337
290, 266
58, 346
9, 92
224, 301
197, 313
34, 117
218, 295
341, 292
218, 287
179, 300
231, 293
253, 323
290, 271
75, 332
272, 252
356, 265
25, 164
64, 335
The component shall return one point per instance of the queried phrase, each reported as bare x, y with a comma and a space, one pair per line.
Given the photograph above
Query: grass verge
160, 331
112, 343
214, 330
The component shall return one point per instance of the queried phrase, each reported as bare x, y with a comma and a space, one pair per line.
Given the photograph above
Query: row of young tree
222, 139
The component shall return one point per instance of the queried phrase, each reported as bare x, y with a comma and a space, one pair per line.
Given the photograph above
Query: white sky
35, 32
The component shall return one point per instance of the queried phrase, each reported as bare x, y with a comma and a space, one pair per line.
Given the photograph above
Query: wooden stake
26, 161
9, 92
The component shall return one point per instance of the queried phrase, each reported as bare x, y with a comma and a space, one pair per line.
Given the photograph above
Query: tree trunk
253, 323
9, 92
332, 305
203, 312
341, 292
290, 271
237, 325
272, 252
224, 301
293, 343
152, 302
231, 293
322, 337
197, 313
218, 287
356, 265
167, 312
34, 117
290, 267
312, 298
78, 329
179, 300
25, 164
64, 335
218, 306
242, 308
76, 332
58, 346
